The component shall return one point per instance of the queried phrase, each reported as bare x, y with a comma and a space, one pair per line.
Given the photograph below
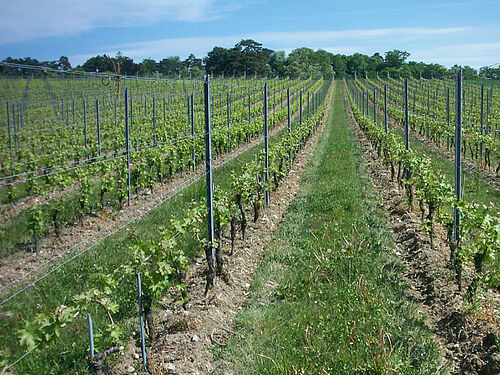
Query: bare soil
23, 267
186, 338
468, 335
9, 210
487, 174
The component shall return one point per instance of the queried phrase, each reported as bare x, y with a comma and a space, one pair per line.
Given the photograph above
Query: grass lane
329, 296
69, 354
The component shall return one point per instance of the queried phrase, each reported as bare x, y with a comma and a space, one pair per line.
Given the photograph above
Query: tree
433, 71
395, 58
63, 63
277, 63
324, 60
246, 57
301, 63
218, 61
192, 72
375, 63
192, 62
254, 58
107, 64
15, 71
405, 71
148, 67
490, 72
127, 65
468, 73
171, 65
305, 62
98, 63
357, 63
339, 65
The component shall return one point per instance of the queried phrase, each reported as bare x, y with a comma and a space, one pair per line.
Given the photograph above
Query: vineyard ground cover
329, 296
468, 333
186, 341
487, 174
15, 230
21, 263
72, 279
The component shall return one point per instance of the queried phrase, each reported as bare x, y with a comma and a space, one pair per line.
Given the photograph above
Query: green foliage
108, 64
395, 58
45, 328
56, 209
36, 224
328, 297
162, 262
95, 185
479, 224
246, 57
85, 191
62, 64
304, 62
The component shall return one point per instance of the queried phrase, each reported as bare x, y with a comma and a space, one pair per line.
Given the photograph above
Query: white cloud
158, 49
319, 37
473, 54
369, 41
22, 20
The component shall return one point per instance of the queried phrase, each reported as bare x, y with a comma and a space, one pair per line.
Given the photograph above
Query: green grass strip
329, 296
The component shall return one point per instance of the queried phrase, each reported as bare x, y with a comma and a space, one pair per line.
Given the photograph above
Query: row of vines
432, 115
429, 190
65, 187
48, 332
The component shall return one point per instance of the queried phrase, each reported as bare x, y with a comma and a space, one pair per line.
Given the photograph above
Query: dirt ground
468, 336
487, 174
186, 338
23, 267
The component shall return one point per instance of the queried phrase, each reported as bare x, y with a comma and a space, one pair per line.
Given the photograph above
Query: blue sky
445, 32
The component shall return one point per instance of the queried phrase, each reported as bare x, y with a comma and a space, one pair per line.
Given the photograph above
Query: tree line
250, 58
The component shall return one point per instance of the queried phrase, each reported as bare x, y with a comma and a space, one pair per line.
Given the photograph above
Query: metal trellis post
482, 125
141, 322
458, 152
374, 106
448, 117
193, 151
10, 135
228, 115
91, 335
209, 252
98, 125
266, 146
154, 122
385, 108
84, 123
127, 144
289, 122
407, 121
300, 110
